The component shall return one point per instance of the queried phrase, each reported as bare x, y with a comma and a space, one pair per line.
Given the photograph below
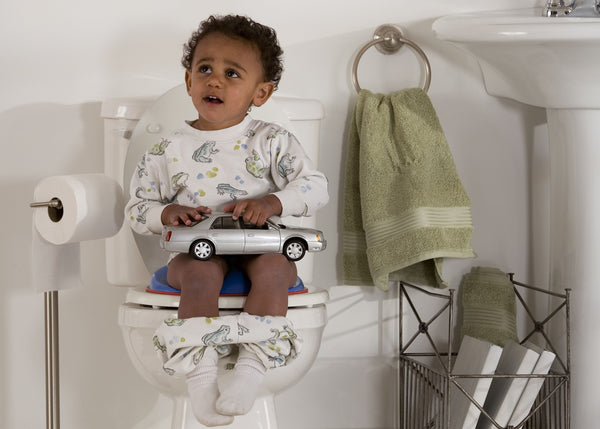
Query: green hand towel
404, 205
489, 307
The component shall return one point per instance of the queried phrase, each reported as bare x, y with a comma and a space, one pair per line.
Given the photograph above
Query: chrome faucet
558, 8
583, 8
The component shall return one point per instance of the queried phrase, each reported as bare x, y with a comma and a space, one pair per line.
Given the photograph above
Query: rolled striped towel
488, 306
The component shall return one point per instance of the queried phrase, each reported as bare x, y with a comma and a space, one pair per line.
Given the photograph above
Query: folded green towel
489, 307
404, 205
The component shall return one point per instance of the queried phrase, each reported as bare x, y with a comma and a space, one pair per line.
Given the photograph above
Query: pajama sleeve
302, 188
150, 191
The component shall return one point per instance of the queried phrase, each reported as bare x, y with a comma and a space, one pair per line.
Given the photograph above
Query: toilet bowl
131, 126
143, 312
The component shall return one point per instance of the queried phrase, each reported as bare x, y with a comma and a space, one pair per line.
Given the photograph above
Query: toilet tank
132, 125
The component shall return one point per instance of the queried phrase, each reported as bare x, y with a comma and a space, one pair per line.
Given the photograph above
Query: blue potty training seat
236, 283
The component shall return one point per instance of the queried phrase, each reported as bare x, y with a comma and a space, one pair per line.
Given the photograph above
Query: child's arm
149, 195
302, 189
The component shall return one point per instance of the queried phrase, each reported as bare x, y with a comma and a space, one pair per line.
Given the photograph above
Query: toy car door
261, 239
227, 236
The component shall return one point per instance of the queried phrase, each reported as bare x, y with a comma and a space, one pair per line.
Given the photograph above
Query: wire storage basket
426, 381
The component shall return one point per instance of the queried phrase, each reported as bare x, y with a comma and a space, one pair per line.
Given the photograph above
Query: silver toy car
220, 234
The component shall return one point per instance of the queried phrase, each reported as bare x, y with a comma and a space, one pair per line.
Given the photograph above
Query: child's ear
188, 81
262, 94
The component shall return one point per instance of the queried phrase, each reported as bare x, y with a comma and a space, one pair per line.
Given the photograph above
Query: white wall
60, 59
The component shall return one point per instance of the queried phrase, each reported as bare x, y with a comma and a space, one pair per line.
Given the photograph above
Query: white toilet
131, 126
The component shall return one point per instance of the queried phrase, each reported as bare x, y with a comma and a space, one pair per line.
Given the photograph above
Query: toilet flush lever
153, 128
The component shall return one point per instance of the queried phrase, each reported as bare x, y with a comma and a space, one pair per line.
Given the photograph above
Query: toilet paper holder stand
55, 208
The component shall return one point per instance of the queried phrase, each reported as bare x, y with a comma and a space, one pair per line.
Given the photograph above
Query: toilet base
138, 324
176, 413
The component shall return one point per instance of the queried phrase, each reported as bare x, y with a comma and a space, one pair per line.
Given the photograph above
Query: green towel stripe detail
494, 318
354, 240
422, 217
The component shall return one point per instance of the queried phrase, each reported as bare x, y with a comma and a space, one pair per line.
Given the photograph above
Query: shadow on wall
49, 139
352, 393
21, 313
45, 140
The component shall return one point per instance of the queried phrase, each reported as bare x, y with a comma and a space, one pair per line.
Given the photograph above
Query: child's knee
190, 273
272, 268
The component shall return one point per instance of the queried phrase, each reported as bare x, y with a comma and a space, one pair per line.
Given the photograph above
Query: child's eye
204, 69
232, 73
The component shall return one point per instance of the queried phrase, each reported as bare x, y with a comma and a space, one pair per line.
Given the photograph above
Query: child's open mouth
212, 99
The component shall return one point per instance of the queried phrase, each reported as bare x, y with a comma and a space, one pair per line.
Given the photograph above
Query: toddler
231, 64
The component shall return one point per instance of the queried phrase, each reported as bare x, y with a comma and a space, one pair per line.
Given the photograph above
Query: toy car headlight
319, 239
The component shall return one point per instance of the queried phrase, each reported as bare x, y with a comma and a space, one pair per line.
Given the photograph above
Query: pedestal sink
555, 63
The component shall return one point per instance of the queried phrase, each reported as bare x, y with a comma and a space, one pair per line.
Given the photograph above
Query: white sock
204, 391
239, 396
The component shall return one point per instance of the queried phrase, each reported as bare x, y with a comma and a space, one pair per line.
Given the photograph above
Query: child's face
226, 78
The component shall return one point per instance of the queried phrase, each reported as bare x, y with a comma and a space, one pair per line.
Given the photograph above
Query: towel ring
388, 40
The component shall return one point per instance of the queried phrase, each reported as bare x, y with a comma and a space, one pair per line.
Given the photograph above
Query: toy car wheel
202, 250
294, 250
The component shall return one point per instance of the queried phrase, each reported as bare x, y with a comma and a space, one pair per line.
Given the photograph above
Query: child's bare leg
200, 283
271, 276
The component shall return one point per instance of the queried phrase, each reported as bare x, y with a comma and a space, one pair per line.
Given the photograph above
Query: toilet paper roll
92, 208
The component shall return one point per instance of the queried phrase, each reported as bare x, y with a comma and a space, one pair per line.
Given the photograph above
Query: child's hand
175, 214
255, 210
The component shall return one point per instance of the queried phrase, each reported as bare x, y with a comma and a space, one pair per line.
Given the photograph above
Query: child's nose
214, 81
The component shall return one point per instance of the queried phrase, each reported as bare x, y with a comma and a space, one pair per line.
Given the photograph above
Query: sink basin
546, 62
555, 63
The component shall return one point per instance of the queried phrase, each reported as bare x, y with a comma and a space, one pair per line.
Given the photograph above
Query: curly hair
241, 27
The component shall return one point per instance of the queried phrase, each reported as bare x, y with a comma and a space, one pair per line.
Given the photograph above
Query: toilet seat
300, 295
138, 295
157, 293
236, 283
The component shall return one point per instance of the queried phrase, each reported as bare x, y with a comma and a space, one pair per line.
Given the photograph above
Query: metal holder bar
54, 203
55, 212
52, 364
55, 208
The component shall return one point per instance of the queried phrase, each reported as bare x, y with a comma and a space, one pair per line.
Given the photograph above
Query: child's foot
203, 398
204, 391
239, 396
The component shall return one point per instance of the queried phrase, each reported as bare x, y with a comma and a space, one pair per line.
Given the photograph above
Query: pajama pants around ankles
181, 343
